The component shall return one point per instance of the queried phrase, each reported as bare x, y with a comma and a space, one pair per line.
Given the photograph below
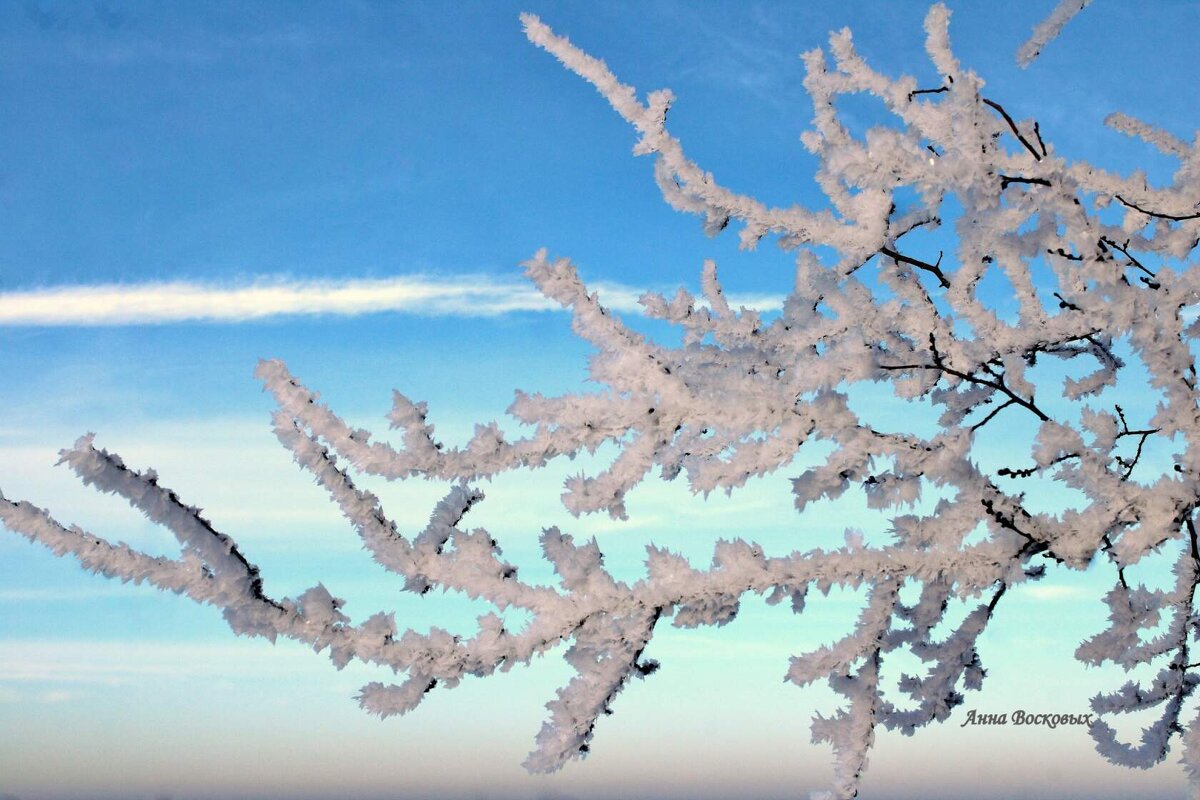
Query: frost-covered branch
1048, 30
1098, 266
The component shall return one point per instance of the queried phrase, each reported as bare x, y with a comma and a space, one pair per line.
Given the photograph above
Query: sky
352, 187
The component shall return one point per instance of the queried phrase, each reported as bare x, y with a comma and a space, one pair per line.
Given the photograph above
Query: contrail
180, 301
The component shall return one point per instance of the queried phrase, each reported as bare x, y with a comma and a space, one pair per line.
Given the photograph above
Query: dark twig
996, 598
933, 219
1128, 466
1032, 546
1136, 207
934, 269
991, 414
1005, 180
1180, 661
1064, 303
1124, 250
1064, 254
1038, 133
1013, 126
1143, 436
938, 90
997, 384
1008, 472
1108, 546
1121, 416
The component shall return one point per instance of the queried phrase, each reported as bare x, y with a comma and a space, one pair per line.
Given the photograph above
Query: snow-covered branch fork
1102, 270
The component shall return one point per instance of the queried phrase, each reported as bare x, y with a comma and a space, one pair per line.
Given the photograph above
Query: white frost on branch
743, 394
1163, 141
1048, 30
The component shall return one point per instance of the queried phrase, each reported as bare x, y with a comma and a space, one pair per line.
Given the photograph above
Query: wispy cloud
1055, 592
10, 695
161, 303
55, 595
59, 664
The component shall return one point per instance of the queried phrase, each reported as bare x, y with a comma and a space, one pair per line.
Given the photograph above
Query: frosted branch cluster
1048, 30
742, 395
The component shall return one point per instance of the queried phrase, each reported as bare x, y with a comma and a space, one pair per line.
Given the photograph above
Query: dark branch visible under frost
933, 269
1015, 130
1008, 180
1158, 214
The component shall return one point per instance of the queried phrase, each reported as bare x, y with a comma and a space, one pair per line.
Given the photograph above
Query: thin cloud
163, 303
1054, 592
55, 595
64, 665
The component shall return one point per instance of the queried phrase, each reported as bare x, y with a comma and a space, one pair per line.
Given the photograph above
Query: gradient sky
423, 150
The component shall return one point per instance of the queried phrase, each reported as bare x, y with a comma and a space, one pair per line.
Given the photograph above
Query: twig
934, 269
1136, 207
998, 384
1124, 250
1005, 180
1013, 125
938, 90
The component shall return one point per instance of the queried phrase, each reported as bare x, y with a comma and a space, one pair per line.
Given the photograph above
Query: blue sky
384, 146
